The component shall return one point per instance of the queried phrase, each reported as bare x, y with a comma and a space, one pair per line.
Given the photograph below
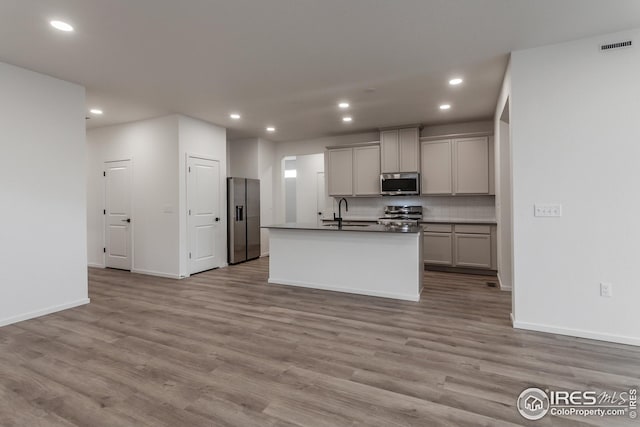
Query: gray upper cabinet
366, 170
409, 147
471, 165
456, 166
436, 167
399, 150
340, 171
354, 171
389, 151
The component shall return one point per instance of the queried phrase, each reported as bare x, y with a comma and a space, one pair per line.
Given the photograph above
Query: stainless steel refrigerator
243, 203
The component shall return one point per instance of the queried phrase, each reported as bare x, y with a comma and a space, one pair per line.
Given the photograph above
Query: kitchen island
376, 260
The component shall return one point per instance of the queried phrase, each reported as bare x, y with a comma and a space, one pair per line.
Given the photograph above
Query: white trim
502, 287
95, 265
513, 322
577, 333
156, 273
43, 312
345, 290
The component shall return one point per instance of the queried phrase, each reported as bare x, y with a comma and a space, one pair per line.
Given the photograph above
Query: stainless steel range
401, 215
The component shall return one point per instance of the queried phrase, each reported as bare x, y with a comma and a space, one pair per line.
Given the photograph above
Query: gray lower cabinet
460, 245
473, 250
438, 248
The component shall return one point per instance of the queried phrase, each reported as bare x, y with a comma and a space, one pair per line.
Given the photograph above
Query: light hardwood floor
223, 348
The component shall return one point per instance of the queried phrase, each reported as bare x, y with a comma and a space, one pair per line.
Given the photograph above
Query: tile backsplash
440, 207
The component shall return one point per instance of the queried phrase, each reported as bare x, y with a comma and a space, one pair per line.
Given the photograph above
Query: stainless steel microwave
400, 184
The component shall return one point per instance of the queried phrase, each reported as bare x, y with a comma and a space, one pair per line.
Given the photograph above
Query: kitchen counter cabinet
466, 245
354, 171
438, 248
456, 166
400, 150
340, 172
369, 260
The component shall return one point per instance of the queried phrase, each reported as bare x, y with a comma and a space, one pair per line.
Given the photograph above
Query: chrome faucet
339, 217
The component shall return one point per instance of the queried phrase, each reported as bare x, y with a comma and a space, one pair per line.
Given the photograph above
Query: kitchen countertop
425, 220
375, 228
457, 221
354, 219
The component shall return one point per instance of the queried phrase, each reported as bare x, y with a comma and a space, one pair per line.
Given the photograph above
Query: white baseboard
620, 339
95, 265
513, 322
156, 273
503, 287
264, 254
43, 312
345, 290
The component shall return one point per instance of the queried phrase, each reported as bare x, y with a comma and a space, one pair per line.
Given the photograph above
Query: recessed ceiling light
95, 111
343, 105
445, 106
62, 26
234, 116
456, 81
347, 119
271, 129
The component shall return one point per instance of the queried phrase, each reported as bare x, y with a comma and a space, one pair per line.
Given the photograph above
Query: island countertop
375, 228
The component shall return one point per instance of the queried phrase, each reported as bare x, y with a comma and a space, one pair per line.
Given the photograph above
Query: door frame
131, 207
223, 220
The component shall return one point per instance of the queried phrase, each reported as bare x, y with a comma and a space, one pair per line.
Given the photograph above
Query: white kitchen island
371, 260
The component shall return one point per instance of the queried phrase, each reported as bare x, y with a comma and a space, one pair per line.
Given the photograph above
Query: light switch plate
606, 289
547, 210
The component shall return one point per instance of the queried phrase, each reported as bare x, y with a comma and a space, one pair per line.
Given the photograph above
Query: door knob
126, 220
217, 219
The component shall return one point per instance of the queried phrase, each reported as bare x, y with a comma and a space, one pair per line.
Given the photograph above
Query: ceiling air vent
618, 45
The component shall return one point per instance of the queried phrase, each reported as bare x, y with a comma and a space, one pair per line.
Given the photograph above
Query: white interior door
203, 204
117, 212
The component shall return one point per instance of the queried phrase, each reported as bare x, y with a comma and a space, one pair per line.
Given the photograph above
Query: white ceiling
288, 62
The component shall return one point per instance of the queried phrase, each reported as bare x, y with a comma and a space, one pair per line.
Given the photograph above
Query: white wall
243, 158
308, 168
503, 185
43, 256
200, 138
266, 162
575, 133
153, 147
306, 147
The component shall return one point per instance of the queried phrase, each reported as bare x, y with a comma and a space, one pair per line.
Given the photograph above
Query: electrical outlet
548, 210
606, 289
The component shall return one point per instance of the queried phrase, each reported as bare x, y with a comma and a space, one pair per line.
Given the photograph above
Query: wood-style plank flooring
224, 348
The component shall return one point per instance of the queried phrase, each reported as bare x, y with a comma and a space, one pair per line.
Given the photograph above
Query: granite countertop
487, 221
354, 219
375, 228
427, 220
